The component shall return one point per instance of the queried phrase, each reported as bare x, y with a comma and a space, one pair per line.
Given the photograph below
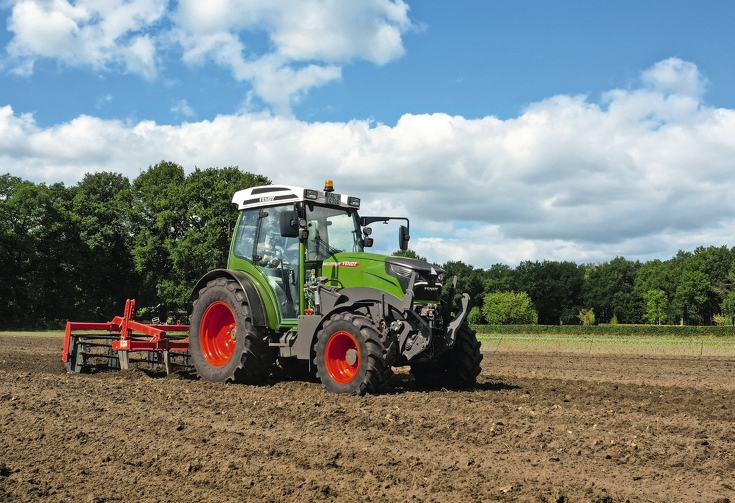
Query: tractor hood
387, 273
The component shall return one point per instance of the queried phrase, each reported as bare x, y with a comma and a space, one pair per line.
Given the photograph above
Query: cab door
277, 257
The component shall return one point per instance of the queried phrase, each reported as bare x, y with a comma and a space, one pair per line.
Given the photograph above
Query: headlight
400, 270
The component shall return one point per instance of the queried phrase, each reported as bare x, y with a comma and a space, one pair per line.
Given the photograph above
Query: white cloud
675, 76
308, 41
648, 171
109, 34
183, 108
330, 31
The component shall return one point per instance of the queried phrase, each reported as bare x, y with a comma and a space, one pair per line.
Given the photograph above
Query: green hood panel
360, 270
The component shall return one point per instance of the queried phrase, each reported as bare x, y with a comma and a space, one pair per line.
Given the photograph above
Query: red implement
121, 336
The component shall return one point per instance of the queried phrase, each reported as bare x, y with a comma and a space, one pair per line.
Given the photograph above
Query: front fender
379, 302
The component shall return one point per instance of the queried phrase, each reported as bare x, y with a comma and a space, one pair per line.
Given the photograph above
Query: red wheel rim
218, 334
342, 357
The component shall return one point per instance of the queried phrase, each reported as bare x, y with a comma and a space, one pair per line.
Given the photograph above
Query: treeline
78, 252
692, 288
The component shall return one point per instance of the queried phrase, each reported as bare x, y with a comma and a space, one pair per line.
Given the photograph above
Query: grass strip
713, 346
620, 330
33, 333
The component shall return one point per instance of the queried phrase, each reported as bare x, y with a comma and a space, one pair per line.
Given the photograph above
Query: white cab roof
270, 195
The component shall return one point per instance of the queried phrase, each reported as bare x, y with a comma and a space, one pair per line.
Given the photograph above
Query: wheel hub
351, 356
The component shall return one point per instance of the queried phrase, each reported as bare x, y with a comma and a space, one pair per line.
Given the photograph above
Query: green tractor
300, 290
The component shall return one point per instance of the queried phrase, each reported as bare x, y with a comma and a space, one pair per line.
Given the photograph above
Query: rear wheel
224, 345
458, 368
351, 355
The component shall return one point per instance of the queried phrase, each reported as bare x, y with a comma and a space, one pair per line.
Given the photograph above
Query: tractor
300, 291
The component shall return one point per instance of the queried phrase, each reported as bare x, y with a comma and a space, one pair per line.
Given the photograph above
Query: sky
505, 131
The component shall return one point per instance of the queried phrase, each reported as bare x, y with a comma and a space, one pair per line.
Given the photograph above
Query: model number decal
341, 264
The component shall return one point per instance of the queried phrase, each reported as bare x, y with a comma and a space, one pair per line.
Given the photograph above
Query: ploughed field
540, 426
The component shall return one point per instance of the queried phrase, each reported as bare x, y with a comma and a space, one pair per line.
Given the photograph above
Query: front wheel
224, 345
458, 368
351, 355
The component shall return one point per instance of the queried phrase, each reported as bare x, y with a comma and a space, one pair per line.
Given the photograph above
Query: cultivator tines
97, 346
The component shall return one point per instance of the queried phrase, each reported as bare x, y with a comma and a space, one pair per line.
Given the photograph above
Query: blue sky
506, 131
473, 58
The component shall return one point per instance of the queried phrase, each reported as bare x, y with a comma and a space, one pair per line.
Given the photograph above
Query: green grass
620, 330
38, 333
646, 345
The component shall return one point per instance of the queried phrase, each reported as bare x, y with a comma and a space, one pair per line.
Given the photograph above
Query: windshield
331, 230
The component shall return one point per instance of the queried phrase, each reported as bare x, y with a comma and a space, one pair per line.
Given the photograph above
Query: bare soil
540, 427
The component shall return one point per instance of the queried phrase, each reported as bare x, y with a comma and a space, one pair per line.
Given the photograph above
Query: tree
183, 226
157, 222
408, 254
554, 287
509, 308
38, 254
475, 316
610, 289
469, 280
101, 208
8, 246
728, 306
715, 263
661, 276
691, 296
657, 306
78, 252
208, 223
655, 275
499, 278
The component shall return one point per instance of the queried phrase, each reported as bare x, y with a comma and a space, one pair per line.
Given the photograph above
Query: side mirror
289, 223
403, 237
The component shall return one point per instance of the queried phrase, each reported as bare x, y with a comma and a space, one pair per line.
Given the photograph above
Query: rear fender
255, 300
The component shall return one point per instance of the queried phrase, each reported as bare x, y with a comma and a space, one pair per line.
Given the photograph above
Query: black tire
458, 368
224, 345
351, 355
